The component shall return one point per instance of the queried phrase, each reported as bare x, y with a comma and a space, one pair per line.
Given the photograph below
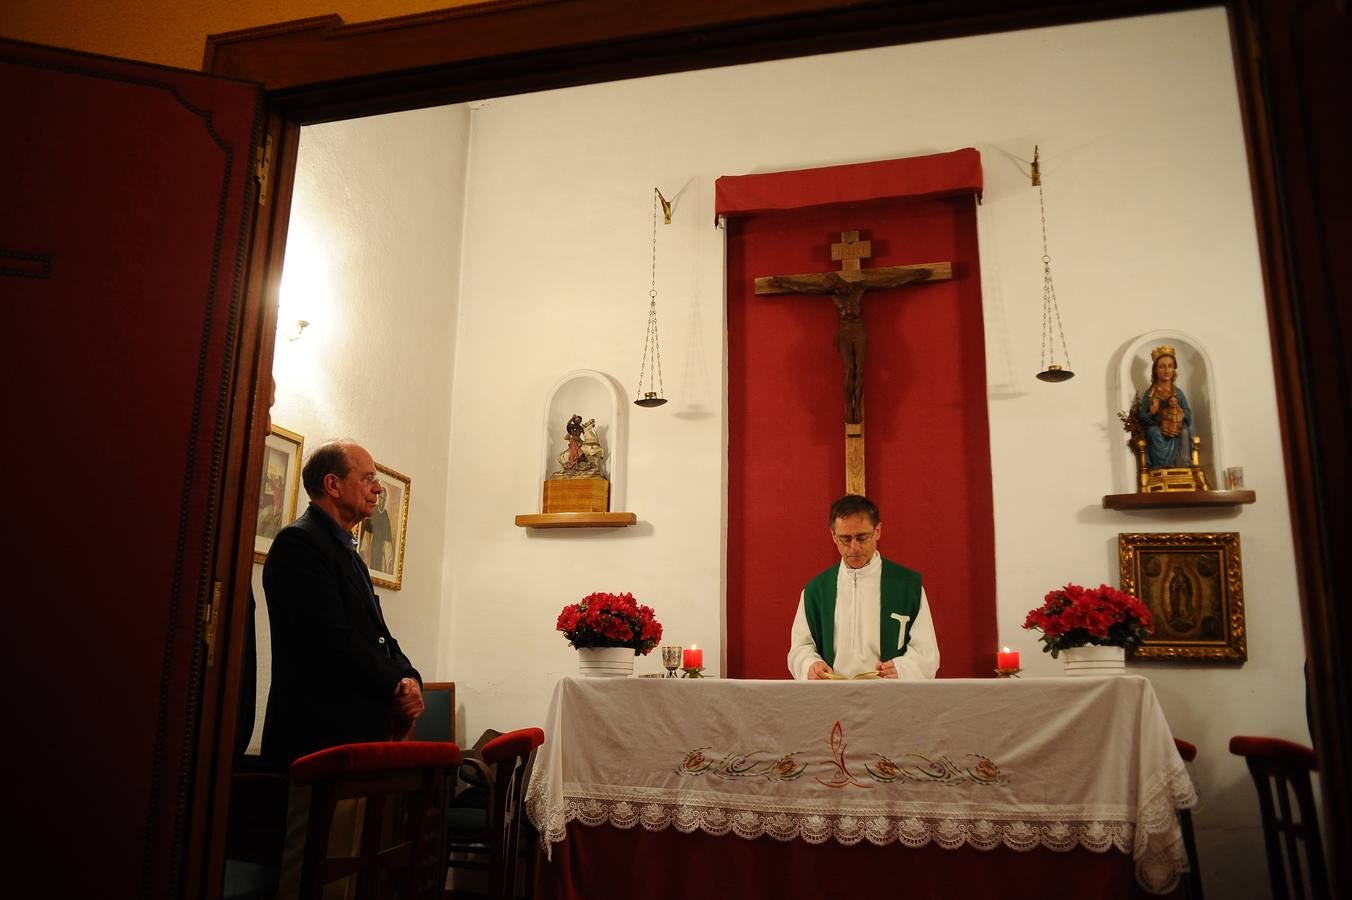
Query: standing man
338, 675
867, 614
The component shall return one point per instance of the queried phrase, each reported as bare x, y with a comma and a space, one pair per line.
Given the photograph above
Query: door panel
121, 270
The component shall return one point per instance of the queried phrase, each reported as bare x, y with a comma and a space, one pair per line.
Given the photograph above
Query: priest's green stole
900, 595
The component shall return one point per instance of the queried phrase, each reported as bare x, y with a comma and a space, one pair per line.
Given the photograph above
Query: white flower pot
1095, 660
605, 662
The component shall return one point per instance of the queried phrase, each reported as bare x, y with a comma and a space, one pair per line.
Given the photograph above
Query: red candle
1007, 659
693, 658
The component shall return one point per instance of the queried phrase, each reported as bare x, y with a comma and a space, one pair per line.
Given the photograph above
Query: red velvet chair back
1295, 850
399, 827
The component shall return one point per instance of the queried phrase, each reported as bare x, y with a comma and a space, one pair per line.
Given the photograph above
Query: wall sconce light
293, 330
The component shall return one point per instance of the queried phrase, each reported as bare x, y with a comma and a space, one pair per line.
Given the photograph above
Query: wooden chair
1192, 885
399, 830
490, 838
437, 723
1295, 851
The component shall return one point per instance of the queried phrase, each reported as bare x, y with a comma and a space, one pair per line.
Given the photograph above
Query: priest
867, 616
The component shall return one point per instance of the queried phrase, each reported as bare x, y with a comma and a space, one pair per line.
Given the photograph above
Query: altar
664, 787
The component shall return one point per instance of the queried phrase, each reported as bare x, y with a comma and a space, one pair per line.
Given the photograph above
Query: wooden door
126, 213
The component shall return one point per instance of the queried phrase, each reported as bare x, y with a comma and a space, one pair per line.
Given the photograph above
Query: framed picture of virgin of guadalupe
1193, 586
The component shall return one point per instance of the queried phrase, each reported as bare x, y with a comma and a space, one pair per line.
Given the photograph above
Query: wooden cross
846, 287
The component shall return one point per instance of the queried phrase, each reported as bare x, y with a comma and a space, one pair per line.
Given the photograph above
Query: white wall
372, 262
1150, 225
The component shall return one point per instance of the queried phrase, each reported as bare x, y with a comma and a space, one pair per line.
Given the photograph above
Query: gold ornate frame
400, 487
1193, 585
288, 449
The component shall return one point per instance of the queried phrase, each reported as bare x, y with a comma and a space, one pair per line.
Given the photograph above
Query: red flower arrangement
610, 620
1074, 616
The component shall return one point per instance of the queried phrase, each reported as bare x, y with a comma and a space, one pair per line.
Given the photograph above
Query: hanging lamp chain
651, 345
1050, 309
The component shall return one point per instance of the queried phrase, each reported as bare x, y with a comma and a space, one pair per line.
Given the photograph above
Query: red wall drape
928, 447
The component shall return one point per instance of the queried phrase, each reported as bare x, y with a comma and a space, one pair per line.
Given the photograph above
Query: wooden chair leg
1192, 885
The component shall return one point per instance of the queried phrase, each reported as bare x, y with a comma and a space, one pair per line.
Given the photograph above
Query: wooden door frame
321, 69
204, 853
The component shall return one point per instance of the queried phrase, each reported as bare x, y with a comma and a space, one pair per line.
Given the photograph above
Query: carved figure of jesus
852, 344
1171, 424
851, 338
846, 287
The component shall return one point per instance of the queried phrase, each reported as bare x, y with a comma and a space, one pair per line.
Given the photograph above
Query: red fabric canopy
937, 175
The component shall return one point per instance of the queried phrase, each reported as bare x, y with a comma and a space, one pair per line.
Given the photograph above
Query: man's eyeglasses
846, 540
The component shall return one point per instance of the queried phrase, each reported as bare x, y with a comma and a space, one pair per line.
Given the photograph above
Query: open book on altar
871, 675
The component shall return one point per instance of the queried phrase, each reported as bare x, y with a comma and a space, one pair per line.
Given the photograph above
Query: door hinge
263, 169
211, 621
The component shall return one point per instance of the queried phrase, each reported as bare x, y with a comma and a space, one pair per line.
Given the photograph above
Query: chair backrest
437, 723
397, 840
510, 758
1295, 852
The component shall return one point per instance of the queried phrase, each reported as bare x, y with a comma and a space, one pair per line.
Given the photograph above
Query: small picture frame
1193, 585
280, 487
381, 538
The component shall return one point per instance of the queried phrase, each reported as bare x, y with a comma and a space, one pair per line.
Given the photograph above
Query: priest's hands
819, 671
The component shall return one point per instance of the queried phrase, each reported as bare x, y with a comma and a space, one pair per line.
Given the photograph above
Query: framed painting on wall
1193, 585
380, 539
282, 454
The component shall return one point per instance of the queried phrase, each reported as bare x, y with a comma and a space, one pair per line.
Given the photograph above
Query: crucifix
847, 287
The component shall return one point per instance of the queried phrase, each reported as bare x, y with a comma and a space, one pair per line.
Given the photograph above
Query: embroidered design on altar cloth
912, 767
753, 764
936, 770
841, 776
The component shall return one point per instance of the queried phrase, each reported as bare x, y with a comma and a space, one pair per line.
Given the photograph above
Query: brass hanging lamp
652, 350
1051, 370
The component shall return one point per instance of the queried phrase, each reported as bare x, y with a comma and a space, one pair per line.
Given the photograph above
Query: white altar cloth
1021, 763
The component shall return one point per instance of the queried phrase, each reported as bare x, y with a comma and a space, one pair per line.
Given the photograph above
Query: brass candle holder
694, 672
1007, 673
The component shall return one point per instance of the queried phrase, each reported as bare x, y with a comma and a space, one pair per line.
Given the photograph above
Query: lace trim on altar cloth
913, 831
1155, 842
1158, 849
